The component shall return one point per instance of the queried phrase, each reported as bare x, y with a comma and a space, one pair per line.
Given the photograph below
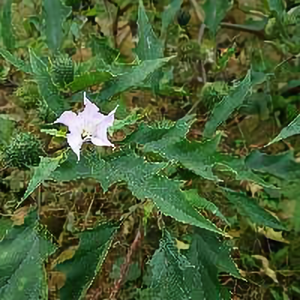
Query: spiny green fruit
213, 92
183, 17
62, 70
23, 151
28, 94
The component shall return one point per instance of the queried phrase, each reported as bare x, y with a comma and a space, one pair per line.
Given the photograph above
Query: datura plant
87, 126
157, 206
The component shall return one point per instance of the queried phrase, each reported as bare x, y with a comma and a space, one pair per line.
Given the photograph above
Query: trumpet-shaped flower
87, 126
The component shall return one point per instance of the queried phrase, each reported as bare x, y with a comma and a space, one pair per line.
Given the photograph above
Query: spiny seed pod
213, 92
45, 113
62, 70
23, 151
28, 94
183, 17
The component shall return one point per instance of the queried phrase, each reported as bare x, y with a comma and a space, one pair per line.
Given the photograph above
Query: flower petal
100, 134
101, 141
75, 141
68, 118
90, 109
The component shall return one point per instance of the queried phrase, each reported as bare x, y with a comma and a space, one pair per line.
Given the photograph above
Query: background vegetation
199, 199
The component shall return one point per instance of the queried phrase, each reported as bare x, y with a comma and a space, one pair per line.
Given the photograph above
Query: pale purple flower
88, 125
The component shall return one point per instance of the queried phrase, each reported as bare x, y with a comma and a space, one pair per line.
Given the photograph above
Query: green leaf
171, 201
101, 49
15, 61
6, 26
142, 179
292, 129
41, 173
22, 252
240, 169
130, 168
131, 119
197, 157
72, 169
131, 78
209, 256
169, 14
202, 203
5, 225
168, 268
281, 165
277, 6
194, 275
47, 88
249, 208
6, 130
231, 102
215, 11
54, 13
82, 268
87, 80
149, 47
162, 133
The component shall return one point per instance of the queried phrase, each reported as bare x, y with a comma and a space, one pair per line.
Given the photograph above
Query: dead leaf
271, 234
266, 267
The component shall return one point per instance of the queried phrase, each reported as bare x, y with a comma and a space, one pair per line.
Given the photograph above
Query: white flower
88, 125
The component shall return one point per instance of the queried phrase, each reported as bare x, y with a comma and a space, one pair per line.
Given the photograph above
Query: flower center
86, 134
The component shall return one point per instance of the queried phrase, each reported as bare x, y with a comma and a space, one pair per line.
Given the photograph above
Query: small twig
89, 211
244, 28
197, 11
125, 266
203, 71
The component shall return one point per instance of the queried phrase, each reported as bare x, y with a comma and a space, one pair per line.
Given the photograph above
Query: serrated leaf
281, 165
292, 129
130, 168
167, 267
149, 47
231, 102
197, 157
101, 49
249, 208
71, 169
82, 268
131, 78
47, 88
22, 252
163, 132
42, 172
131, 119
194, 275
87, 80
15, 61
142, 179
54, 13
215, 11
171, 201
6, 26
209, 256
202, 203
240, 169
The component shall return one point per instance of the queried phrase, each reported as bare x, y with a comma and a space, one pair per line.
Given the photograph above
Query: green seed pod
28, 94
23, 151
183, 17
62, 70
